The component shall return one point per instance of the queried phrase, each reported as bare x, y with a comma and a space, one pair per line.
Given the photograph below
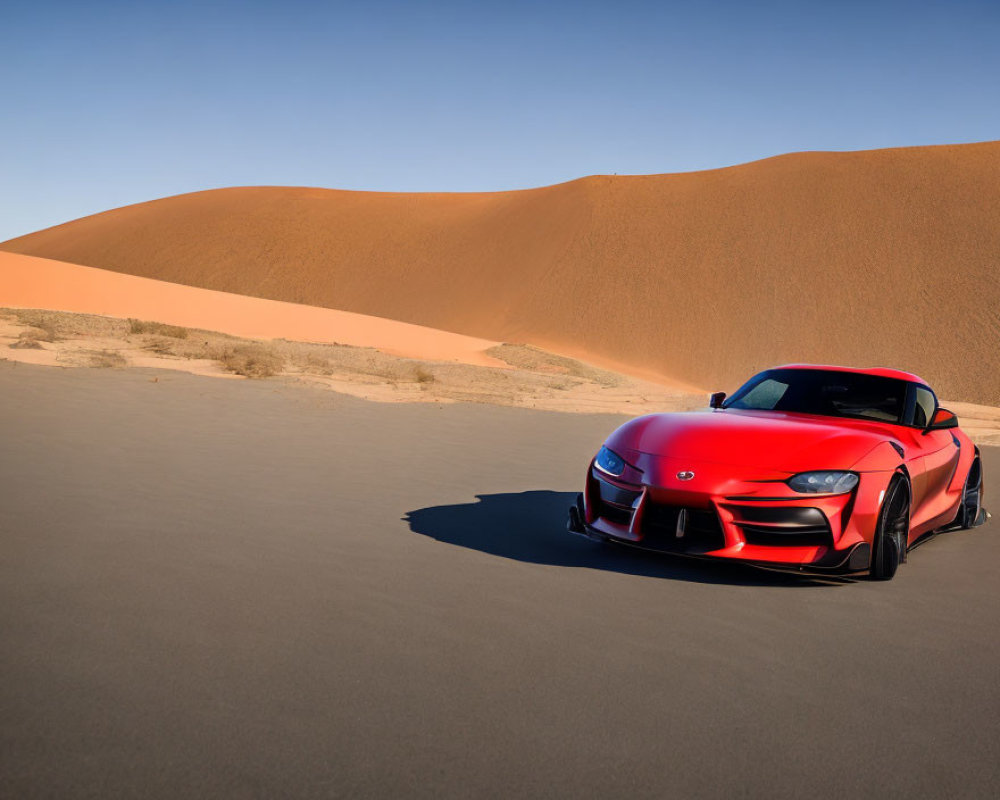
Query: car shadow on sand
531, 526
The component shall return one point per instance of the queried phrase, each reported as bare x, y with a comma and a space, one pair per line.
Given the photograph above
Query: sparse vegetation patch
139, 326
318, 364
162, 347
107, 359
27, 343
251, 360
41, 329
536, 378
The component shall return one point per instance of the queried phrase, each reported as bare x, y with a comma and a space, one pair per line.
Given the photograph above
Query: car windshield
829, 393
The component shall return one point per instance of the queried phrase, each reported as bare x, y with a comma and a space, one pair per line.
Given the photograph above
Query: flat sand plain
236, 588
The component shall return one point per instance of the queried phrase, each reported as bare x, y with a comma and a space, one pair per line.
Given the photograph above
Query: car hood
762, 440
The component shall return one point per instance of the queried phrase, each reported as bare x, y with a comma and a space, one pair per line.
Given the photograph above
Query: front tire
892, 531
972, 497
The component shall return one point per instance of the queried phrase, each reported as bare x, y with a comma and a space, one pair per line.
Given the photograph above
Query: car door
932, 468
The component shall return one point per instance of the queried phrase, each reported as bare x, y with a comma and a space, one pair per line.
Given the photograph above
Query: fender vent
898, 448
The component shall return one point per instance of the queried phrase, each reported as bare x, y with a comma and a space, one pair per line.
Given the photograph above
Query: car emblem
685, 475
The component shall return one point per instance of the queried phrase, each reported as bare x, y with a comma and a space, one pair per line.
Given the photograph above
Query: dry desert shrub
318, 364
424, 376
162, 347
41, 329
251, 360
55, 326
142, 326
107, 359
27, 343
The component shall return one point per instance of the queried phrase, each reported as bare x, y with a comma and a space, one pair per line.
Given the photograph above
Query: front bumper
855, 558
760, 521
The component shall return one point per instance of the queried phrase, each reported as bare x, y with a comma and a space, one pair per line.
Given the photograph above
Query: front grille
702, 530
790, 526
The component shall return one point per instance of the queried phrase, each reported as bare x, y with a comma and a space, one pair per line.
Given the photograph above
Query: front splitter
835, 562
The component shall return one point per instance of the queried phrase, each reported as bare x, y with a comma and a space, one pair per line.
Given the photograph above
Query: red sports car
811, 468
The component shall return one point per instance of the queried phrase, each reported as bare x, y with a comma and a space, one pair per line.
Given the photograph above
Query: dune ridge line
871, 258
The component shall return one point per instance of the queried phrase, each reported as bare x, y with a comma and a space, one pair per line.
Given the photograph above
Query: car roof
882, 372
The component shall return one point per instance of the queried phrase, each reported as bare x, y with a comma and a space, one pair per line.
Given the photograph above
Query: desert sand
513, 375
518, 375
883, 257
27, 282
235, 588
266, 588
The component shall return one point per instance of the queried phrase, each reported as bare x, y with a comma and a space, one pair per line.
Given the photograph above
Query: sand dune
881, 257
27, 282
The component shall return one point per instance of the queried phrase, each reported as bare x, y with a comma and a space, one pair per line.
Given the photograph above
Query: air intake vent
783, 527
675, 529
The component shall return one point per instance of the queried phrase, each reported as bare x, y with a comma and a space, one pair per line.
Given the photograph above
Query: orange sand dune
872, 258
27, 282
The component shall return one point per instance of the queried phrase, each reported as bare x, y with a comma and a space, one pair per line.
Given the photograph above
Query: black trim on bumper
835, 562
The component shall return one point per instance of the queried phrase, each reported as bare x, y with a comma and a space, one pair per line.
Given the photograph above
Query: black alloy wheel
972, 497
892, 531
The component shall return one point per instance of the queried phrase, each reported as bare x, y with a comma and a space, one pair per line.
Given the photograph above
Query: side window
924, 408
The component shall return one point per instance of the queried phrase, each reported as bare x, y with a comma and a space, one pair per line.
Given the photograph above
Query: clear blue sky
109, 103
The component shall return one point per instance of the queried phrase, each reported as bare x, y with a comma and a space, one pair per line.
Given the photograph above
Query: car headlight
610, 462
824, 482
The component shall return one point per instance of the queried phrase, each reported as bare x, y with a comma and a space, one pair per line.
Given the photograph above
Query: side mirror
942, 420
715, 399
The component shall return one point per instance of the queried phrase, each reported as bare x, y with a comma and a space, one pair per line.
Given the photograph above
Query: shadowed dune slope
888, 257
